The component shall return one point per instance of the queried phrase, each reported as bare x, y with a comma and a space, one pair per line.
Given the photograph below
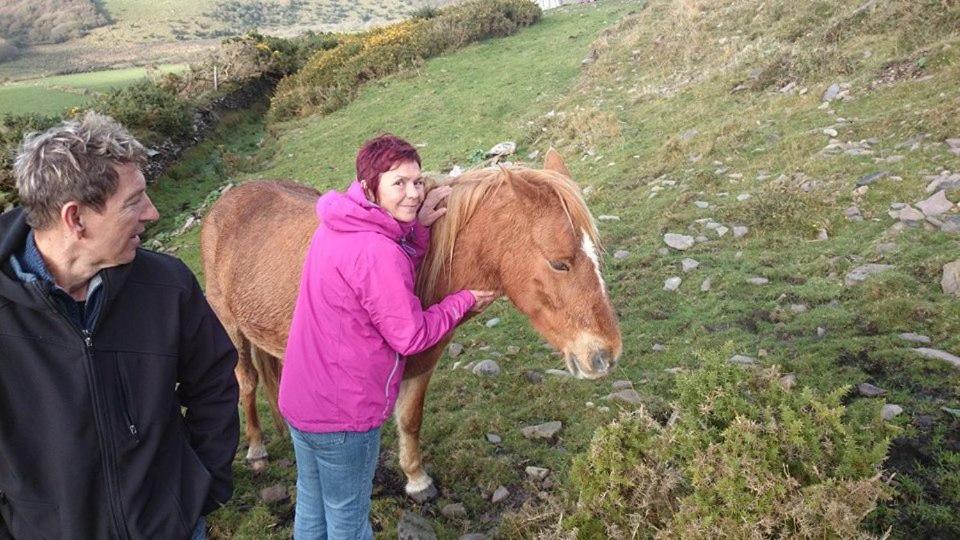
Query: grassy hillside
51, 95
685, 117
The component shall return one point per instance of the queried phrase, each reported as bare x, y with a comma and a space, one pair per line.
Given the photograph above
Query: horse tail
268, 367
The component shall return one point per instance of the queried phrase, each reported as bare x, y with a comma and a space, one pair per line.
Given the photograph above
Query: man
118, 401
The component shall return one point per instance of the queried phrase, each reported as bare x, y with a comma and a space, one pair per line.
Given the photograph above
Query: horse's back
253, 242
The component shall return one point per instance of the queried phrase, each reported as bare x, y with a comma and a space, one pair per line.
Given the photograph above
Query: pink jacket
357, 316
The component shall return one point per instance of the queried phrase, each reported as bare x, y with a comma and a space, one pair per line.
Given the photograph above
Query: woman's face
401, 191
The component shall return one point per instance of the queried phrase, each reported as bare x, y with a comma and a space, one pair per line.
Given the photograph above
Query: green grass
619, 123
51, 95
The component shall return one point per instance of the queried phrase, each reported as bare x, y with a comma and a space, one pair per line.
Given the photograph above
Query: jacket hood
352, 212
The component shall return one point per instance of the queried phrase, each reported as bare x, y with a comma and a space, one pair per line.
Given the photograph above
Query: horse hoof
424, 495
258, 465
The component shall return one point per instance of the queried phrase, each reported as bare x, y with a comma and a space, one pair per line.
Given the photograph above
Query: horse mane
470, 190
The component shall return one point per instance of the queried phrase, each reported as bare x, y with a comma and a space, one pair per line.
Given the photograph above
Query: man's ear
71, 219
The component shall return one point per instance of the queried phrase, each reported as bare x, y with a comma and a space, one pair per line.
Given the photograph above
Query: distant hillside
36, 22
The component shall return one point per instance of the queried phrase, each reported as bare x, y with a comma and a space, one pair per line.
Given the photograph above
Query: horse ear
521, 186
553, 162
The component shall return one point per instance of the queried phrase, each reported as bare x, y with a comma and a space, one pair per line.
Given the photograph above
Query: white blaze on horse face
586, 244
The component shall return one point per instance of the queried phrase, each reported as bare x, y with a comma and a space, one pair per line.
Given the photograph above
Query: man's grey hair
73, 161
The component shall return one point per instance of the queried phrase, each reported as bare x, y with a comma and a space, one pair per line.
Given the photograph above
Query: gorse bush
332, 77
744, 456
148, 110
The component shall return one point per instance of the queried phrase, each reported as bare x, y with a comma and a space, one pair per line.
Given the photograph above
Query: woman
355, 319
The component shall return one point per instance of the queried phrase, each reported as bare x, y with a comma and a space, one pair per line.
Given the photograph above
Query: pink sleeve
421, 243
384, 284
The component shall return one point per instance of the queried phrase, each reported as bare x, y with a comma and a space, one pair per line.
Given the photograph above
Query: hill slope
690, 118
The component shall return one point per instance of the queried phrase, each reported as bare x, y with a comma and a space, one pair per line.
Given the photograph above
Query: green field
678, 104
51, 95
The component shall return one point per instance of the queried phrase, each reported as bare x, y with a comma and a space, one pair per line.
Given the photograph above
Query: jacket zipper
386, 389
131, 426
107, 458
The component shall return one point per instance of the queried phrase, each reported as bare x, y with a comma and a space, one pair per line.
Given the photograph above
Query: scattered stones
688, 134
821, 332
871, 178
953, 146
950, 282
758, 281
546, 430
739, 231
935, 205
743, 197
502, 149
890, 411
413, 526
798, 308
742, 360
721, 231
951, 224
945, 181
678, 241
487, 368
626, 396
622, 385
701, 204
454, 349
701, 239
937, 354
869, 390
454, 511
853, 214
621, 254
688, 265
659, 347
910, 215
672, 284
831, 92
533, 377
513, 349
493, 438
705, 286
886, 247
861, 273
915, 338
492, 322
537, 473
663, 252
274, 494
830, 132
608, 218
499, 495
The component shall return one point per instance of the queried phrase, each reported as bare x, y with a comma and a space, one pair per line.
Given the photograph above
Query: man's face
111, 237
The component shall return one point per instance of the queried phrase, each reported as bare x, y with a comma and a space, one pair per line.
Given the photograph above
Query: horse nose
600, 361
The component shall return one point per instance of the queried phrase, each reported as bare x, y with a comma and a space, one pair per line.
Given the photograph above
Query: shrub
331, 78
746, 457
8, 51
148, 110
12, 130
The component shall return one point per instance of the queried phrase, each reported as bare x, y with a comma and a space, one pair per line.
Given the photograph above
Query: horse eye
560, 266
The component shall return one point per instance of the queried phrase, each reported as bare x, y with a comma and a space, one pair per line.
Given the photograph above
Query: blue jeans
200, 531
334, 483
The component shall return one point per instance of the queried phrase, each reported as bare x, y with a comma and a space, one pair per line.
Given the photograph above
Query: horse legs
247, 379
409, 416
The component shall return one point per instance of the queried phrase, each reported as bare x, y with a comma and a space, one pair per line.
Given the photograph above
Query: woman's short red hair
379, 155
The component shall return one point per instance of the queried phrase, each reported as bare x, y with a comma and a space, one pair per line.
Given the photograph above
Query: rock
558, 373
739, 231
678, 241
488, 368
701, 239
701, 204
537, 473
852, 212
951, 224
830, 132
890, 411
454, 349
630, 397
953, 144
743, 197
945, 181
937, 354
705, 286
915, 338
621, 254
499, 495
672, 284
608, 218
474, 536
861, 273
454, 511
502, 149
512, 350
950, 282
274, 494
546, 430
798, 308
758, 281
663, 252
869, 390
821, 332
871, 178
493, 438
689, 265
658, 347
886, 247
721, 231
414, 527
935, 205
788, 381
492, 322
622, 385
533, 377
742, 360
831, 93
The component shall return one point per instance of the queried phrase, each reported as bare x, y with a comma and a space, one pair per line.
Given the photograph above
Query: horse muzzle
593, 365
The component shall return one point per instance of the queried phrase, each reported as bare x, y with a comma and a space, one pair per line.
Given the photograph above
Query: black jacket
128, 432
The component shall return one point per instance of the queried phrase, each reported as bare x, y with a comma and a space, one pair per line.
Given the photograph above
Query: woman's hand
484, 299
429, 212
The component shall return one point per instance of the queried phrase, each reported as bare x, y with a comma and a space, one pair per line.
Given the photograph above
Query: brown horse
523, 231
